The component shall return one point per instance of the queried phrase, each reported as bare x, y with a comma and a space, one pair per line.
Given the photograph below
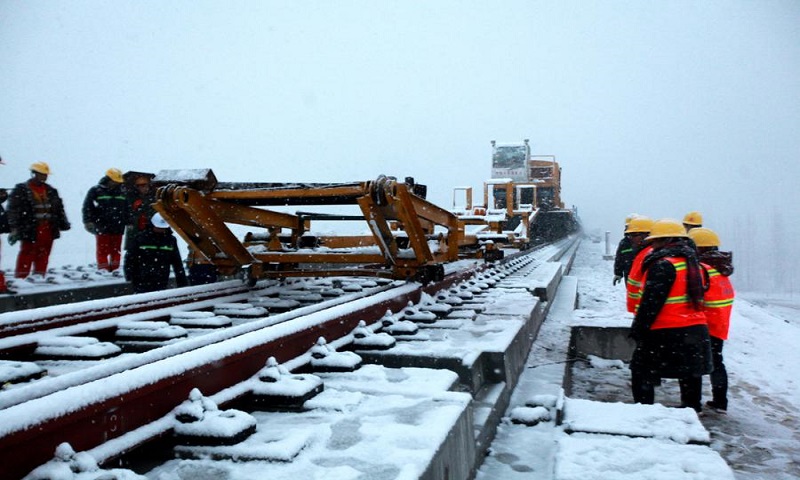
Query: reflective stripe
677, 300
719, 303
156, 247
634, 283
626, 250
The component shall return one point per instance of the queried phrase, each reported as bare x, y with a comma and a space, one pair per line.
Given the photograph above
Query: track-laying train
409, 237
521, 202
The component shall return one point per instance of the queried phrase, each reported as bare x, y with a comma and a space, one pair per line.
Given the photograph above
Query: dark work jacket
720, 261
21, 212
138, 212
105, 206
624, 257
148, 260
666, 352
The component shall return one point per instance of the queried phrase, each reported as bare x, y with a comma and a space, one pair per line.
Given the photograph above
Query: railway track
120, 405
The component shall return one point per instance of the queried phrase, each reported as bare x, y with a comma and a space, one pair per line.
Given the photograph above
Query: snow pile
69, 465
274, 379
604, 457
200, 418
325, 357
75, 347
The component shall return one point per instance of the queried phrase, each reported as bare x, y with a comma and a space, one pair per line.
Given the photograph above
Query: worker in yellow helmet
692, 220
718, 305
105, 214
669, 327
637, 231
625, 252
36, 217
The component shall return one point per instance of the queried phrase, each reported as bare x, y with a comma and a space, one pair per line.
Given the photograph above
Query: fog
657, 108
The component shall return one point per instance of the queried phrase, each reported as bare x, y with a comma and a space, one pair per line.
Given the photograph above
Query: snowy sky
650, 107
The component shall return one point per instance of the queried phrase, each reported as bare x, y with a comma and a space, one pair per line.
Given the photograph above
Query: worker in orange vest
637, 231
718, 266
669, 327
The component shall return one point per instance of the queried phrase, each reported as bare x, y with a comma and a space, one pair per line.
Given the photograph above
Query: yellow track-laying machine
410, 238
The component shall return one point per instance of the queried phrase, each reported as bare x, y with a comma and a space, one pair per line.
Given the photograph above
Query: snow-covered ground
759, 437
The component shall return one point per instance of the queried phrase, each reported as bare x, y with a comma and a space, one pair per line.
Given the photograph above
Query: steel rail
90, 413
117, 365
27, 321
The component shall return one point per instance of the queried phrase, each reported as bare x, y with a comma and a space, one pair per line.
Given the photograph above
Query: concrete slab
603, 457
343, 434
679, 425
542, 281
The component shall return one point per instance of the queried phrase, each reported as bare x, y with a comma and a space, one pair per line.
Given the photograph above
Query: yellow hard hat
667, 228
629, 218
40, 167
693, 218
704, 237
115, 174
639, 225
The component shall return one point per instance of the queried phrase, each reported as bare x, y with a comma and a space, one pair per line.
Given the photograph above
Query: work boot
717, 407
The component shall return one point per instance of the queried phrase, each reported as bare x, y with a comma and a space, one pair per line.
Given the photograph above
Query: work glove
89, 226
617, 279
13, 237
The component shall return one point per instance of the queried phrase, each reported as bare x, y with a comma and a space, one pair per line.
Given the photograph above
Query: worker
151, 255
104, 216
637, 231
36, 217
141, 198
624, 254
201, 269
4, 228
718, 305
669, 326
692, 220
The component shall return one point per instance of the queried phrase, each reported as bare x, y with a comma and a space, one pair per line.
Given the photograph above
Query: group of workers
678, 289
118, 206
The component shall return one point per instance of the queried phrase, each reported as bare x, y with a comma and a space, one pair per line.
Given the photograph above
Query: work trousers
691, 392
719, 377
643, 389
108, 251
36, 253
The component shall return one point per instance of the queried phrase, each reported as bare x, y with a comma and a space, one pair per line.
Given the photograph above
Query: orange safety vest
633, 285
718, 303
678, 311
